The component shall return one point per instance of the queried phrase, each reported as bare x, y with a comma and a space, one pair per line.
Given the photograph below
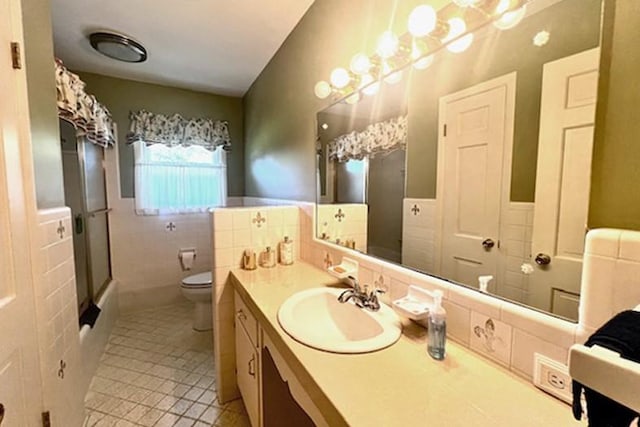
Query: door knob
487, 244
543, 259
1, 412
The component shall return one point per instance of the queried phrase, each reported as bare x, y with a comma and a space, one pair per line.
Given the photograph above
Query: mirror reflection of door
477, 133
385, 193
567, 116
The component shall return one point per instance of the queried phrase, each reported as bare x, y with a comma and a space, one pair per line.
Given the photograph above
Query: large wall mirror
476, 164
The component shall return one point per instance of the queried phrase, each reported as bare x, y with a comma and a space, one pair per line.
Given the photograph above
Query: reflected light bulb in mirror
360, 64
392, 78
423, 63
340, 78
457, 27
353, 98
325, 126
322, 89
510, 19
466, 3
388, 44
422, 20
369, 85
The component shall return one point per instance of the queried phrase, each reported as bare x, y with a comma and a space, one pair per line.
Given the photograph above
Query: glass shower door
85, 194
96, 217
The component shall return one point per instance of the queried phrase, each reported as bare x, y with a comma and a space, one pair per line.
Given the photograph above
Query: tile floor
157, 371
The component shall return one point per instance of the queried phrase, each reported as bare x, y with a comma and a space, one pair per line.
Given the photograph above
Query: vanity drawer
244, 317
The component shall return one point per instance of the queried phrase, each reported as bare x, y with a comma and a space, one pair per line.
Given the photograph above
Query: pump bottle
437, 333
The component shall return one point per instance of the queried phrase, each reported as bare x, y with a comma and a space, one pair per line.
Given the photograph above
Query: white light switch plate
552, 377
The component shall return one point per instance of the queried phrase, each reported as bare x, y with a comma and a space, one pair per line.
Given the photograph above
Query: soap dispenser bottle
437, 333
286, 251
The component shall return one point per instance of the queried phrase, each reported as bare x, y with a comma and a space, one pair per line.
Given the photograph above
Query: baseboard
141, 299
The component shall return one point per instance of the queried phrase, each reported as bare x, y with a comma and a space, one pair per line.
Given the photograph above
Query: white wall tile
490, 337
524, 347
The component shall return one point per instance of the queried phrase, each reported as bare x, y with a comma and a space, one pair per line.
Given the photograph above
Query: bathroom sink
315, 318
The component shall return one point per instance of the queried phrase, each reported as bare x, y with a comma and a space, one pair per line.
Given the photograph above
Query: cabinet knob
241, 315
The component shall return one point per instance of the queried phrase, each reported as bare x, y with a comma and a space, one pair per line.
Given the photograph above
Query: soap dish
416, 304
348, 267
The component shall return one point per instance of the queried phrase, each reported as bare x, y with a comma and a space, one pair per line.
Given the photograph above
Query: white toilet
197, 288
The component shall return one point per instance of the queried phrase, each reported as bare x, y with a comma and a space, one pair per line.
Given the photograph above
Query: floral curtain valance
176, 130
90, 118
376, 138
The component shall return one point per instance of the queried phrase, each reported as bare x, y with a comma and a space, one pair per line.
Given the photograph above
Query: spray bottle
483, 283
437, 334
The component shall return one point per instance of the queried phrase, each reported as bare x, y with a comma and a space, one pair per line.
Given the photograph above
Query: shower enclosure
85, 193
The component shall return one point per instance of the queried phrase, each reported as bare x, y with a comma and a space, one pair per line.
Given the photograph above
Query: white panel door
20, 389
470, 172
567, 115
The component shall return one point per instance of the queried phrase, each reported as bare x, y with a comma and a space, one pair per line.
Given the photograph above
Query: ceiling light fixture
428, 30
117, 46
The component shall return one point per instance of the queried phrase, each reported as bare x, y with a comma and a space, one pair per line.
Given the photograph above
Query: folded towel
622, 335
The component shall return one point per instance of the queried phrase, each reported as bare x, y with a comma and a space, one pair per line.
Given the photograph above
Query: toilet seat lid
202, 279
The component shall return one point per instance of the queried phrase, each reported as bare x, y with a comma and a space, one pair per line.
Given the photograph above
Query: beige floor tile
211, 414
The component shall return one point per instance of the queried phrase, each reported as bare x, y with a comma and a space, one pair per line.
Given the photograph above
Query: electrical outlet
552, 377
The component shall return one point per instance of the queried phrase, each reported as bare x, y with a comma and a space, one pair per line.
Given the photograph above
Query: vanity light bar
428, 31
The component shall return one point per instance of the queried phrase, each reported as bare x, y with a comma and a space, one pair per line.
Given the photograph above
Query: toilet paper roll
186, 259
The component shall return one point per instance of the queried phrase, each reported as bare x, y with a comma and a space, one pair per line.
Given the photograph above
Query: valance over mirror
90, 118
173, 130
380, 137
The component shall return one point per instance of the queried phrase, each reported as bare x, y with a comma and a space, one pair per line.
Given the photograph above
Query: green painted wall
615, 181
43, 114
122, 96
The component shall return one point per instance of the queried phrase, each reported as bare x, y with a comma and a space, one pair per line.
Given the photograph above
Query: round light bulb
394, 78
388, 44
510, 19
369, 85
390, 76
322, 89
423, 63
457, 27
340, 78
352, 99
360, 64
422, 20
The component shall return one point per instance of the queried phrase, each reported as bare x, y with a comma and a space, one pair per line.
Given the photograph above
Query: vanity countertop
400, 385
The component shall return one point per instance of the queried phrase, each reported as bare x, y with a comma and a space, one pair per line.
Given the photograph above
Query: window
178, 179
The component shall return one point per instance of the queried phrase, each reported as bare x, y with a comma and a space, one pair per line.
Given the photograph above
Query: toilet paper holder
187, 256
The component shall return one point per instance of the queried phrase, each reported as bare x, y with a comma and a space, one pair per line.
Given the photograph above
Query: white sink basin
315, 318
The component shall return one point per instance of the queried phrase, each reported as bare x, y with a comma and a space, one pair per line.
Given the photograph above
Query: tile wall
517, 231
418, 233
341, 222
144, 249
234, 231
57, 318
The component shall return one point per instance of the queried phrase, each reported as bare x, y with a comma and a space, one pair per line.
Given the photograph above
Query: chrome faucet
361, 296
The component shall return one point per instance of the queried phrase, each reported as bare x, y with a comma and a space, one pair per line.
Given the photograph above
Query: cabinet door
247, 374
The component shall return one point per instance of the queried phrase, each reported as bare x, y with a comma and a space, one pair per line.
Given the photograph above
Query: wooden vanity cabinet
271, 392
248, 360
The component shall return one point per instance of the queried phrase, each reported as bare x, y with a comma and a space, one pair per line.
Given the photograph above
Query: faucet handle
356, 285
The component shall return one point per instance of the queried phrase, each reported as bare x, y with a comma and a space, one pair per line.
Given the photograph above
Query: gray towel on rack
622, 335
